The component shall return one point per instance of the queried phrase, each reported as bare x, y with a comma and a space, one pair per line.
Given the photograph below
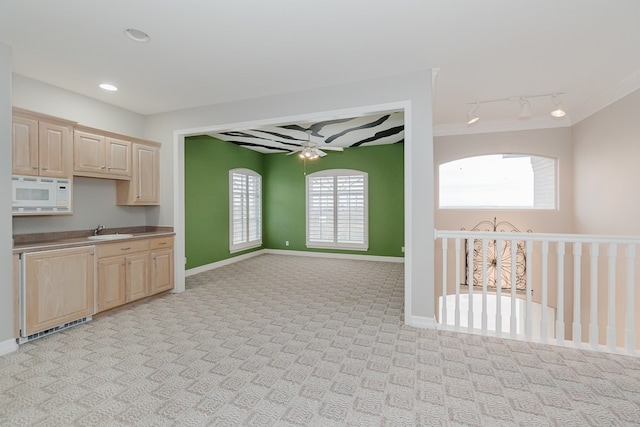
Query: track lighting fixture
472, 117
525, 109
525, 106
558, 108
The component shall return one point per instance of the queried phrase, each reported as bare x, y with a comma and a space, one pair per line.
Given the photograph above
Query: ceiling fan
310, 151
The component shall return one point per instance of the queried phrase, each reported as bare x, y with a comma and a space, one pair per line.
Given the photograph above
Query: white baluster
577, 326
630, 339
514, 278
499, 244
443, 320
611, 311
470, 244
544, 322
593, 296
484, 286
560, 282
457, 325
528, 317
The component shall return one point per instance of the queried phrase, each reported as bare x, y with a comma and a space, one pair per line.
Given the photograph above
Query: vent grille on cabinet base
53, 330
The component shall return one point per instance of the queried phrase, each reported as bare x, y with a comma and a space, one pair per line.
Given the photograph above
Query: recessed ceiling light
137, 35
109, 87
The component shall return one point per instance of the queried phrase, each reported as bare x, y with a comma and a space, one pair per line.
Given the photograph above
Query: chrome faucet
98, 229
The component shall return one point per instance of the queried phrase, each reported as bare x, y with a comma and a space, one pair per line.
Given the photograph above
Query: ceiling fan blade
333, 148
294, 151
320, 153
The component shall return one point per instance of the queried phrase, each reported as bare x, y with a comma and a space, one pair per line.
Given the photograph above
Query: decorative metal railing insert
569, 298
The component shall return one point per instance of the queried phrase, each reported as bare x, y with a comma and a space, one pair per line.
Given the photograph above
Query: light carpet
295, 341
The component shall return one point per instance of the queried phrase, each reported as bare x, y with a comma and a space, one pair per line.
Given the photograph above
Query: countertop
52, 241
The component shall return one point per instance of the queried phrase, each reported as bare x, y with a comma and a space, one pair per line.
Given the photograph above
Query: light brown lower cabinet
122, 279
16, 293
59, 287
130, 270
161, 264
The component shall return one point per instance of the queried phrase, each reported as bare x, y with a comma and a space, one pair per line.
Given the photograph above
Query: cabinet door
111, 282
145, 174
137, 276
25, 146
161, 271
16, 296
118, 157
58, 287
54, 150
89, 153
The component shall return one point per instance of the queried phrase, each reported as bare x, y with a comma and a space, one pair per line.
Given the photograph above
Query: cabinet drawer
122, 248
162, 242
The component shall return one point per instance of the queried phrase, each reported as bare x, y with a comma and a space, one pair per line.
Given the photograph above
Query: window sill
361, 248
244, 247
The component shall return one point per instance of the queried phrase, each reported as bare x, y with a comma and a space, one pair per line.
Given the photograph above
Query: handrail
537, 237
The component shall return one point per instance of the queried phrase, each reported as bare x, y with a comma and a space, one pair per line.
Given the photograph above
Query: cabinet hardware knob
125, 249
34, 167
103, 167
45, 169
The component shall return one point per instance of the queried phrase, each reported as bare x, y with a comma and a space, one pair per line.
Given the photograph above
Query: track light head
472, 117
558, 109
525, 111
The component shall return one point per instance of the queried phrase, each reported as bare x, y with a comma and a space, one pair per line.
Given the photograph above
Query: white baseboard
218, 264
423, 322
8, 346
334, 255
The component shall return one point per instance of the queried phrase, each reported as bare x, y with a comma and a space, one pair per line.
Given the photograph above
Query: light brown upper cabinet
100, 155
42, 145
143, 189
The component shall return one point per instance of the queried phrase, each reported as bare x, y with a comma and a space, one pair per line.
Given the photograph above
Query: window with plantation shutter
337, 209
245, 210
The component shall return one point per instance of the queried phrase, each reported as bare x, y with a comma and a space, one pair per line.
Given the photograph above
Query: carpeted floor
284, 341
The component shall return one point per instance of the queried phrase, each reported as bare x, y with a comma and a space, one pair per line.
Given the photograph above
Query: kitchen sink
110, 236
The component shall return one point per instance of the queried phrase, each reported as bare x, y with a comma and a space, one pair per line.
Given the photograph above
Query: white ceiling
215, 51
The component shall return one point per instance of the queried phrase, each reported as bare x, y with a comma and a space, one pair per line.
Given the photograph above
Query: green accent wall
284, 194
206, 179
207, 164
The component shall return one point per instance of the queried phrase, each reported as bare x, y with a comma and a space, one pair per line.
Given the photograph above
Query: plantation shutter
239, 210
254, 208
350, 214
337, 210
321, 209
245, 209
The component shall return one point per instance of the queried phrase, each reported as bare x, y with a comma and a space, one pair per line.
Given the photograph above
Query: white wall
544, 142
414, 89
94, 199
606, 156
6, 284
607, 173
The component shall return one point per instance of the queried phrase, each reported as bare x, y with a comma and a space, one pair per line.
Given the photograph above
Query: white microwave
38, 195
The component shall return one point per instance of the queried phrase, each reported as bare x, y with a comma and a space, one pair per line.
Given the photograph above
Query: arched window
245, 209
502, 181
337, 209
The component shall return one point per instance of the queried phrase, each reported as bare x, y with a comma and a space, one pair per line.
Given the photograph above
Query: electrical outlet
402, 249
286, 243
